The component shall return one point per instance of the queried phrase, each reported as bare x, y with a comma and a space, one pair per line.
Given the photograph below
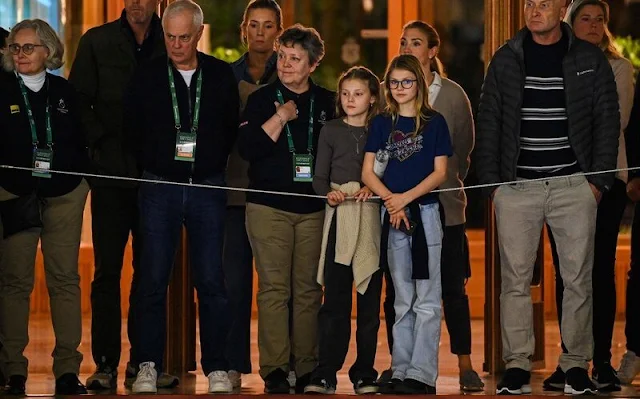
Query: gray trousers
569, 207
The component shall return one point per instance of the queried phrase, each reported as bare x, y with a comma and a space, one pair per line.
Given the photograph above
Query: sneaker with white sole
236, 378
219, 382
515, 381
579, 383
629, 367
146, 379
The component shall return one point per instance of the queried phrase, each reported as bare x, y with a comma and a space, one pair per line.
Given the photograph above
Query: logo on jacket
62, 106
15, 109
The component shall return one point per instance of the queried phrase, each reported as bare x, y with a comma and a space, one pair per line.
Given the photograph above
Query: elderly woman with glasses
589, 19
39, 132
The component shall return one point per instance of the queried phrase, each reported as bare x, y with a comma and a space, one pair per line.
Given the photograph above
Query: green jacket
104, 65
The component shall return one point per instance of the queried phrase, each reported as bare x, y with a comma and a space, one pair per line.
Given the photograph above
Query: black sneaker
302, 382
366, 386
515, 381
578, 382
556, 381
413, 387
276, 382
69, 384
16, 385
320, 385
385, 377
390, 387
605, 378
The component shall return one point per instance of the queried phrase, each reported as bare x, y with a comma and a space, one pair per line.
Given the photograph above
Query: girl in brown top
350, 250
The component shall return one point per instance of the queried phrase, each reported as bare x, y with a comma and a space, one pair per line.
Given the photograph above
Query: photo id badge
303, 168
42, 160
185, 147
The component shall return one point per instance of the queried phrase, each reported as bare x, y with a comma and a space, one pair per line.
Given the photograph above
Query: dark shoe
385, 377
470, 381
515, 381
276, 382
413, 387
578, 382
69, 384
320, 385
302, 382
365, 386
605, 378
104, 378
390, 387
16, 385
556, 381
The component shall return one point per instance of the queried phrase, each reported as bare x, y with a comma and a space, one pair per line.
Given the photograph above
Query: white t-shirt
434, 88
187, 75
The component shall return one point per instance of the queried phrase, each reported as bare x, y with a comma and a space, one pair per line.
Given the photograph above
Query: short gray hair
180, 6
47, 36
308, 38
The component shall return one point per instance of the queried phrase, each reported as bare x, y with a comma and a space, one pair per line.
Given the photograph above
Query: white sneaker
146, 379
629, 367
236, 378
219, 382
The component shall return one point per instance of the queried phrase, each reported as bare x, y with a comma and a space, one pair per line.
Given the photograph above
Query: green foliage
630, 49
228, 55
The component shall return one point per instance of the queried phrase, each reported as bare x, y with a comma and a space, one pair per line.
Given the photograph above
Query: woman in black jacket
39, 130
278, 136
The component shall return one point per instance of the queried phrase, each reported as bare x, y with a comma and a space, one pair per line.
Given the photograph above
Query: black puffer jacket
592, 111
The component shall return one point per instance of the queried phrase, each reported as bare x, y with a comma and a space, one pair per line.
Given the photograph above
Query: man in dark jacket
548, 111
106, 59
183, 112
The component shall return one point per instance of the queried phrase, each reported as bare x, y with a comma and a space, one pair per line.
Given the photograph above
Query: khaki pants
60, 236
569, 207
286, 247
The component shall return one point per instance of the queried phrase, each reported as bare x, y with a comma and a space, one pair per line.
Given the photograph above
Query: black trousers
334, 319
632, 328
610, 212
114, 215
455, 271
237, 265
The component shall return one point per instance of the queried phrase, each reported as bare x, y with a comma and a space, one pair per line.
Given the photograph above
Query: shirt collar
437, 80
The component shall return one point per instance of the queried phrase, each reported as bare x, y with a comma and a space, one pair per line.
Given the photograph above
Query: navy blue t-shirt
410, 158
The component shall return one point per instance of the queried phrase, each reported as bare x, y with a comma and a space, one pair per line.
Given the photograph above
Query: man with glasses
106, 59
182, 116
563, 124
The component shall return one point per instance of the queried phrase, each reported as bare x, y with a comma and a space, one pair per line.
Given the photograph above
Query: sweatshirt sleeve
253, 141
322, 174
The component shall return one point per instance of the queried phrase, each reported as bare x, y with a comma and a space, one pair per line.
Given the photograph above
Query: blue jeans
163, 211
416, 331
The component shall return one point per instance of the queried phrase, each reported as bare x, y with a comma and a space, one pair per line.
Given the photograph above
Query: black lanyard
32, 121
292, 148
174, 100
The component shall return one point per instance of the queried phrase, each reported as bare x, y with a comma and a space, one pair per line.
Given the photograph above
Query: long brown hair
433, 40
606, 44
424, 112
373, 83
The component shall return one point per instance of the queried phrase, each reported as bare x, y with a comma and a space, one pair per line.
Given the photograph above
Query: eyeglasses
405, 83
27, 48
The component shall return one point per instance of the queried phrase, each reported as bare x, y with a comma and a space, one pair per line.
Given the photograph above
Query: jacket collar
517, 42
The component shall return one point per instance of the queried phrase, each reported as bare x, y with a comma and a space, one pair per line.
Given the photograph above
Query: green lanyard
174, 100
292, 148
32, 122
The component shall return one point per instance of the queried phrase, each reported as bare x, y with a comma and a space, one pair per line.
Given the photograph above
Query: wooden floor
41, 382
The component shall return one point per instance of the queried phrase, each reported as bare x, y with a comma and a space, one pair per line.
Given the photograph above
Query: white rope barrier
288, 194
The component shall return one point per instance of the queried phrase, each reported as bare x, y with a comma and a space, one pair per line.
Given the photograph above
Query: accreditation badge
42, 163
185, 147
303, 168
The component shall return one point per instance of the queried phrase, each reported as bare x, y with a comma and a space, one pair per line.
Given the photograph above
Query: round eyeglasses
27, 48
405, 83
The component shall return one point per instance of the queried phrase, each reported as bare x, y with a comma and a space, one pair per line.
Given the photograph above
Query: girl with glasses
417, 142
